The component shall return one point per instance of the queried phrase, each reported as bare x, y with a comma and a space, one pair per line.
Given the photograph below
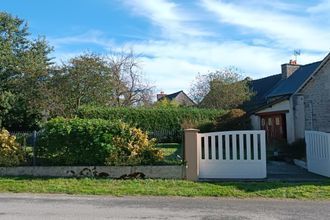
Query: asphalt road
31, 206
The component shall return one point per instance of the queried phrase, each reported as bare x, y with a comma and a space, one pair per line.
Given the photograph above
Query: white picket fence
318, 152
232, 154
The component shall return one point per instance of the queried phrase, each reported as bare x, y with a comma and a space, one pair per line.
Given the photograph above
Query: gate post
191, 154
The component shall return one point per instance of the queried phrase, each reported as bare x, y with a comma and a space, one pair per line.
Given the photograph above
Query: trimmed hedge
94, 142
153, 119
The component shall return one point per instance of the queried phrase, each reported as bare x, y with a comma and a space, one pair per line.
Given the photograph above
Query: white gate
318, 152
232, 154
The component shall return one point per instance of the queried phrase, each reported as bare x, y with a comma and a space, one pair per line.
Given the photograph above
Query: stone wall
154, 172
317, 101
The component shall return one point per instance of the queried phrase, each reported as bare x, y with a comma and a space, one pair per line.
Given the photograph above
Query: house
288, 103
179, 97
315, 93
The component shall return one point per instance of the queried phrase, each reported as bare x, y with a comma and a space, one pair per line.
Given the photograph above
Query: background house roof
172, 96
184, 100
292, 84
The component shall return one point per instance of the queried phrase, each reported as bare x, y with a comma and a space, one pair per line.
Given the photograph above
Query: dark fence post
34, 147
183, 146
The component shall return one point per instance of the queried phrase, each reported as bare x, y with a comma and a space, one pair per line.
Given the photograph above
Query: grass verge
88, 186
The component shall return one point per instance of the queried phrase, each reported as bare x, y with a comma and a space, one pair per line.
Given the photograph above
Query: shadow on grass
253, 187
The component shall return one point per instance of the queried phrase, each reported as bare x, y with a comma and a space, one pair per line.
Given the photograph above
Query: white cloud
171, 75
322, 7
287, 30
275, 5
173, 60
173, 66
63, 56
90, 37
257, 59
173, 20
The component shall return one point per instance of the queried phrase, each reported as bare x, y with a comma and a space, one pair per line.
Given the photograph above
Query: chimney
289, 68
161, 95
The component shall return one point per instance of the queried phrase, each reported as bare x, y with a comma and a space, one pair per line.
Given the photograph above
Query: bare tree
222, 89
129, 86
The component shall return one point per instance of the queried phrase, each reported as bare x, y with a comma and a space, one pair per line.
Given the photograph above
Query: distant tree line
33, 88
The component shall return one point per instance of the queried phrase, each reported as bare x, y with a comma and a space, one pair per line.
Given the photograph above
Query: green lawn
172, 153
88, 186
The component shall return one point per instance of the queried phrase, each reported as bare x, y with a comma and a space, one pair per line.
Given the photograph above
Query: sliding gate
232, 154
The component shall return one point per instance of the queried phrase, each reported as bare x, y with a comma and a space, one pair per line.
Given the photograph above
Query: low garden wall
122, 172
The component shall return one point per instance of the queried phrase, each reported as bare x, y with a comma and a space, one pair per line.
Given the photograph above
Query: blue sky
178, 39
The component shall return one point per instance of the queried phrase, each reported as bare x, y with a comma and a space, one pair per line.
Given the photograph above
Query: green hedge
153, 119
94, 142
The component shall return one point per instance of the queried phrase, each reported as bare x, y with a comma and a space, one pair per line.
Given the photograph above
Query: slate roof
261, 88
291, 84
172, 96
274, 87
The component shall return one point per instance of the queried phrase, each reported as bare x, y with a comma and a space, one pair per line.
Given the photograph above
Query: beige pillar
191, 154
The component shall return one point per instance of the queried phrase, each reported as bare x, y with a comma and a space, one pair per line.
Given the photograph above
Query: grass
88, 186
172, 153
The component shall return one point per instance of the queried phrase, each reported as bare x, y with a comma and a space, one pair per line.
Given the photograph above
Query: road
32, 206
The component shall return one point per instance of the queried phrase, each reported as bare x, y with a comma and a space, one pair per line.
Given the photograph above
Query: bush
133, 148
11, 153
94, 142
153, 119
235, 119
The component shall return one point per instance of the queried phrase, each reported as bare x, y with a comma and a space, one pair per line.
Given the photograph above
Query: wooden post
192, 154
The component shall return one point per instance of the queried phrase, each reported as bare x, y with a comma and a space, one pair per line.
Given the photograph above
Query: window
269, 121
277, 121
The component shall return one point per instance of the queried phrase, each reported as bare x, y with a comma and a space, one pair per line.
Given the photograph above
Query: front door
275, 127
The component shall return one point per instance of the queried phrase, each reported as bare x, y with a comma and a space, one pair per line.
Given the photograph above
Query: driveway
282, 171
29, 206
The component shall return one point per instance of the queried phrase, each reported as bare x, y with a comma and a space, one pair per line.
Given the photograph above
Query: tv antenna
296, 53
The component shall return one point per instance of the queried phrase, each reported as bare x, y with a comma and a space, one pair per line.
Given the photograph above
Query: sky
176, 40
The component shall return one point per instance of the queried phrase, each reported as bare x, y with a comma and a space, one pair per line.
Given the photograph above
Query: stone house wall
317, 101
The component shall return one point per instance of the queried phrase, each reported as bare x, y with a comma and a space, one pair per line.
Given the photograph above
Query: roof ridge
311, 63
174, 93
267, 77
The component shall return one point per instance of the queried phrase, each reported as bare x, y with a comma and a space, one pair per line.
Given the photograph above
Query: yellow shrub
10, 152
133, 147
